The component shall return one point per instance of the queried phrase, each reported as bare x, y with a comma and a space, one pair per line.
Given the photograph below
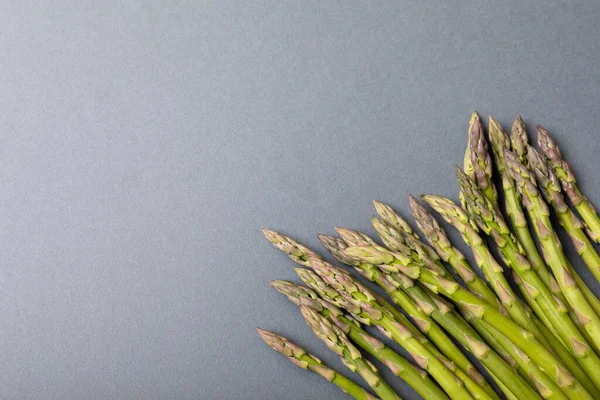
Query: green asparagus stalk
475, 383
480, 309
337, 341
549, 186
493, 224
414, 376
478, 163
493, 271
551, 190
542, 382
476, 389
501, 368
518, 139
569, 183
501, 143
361, 303
391, 237
396, 284
301, 254
552, 248
438, 238
518, 311
305, 360
411, 247
555, 343
297, 252
425, 322
391, 218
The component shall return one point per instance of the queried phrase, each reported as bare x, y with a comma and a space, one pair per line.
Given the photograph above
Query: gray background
144, 144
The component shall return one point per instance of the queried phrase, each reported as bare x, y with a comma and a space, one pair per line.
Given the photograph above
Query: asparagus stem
481, 310
501, 143
305, 360
549, 186
514, 207
397, 284
484, 258
425, 322
361, 303
414, 376
395, 240
304, 256
474, 382
519, 312
337, 341
552, 248
542, 382
557, 345
450, 320
493, 224
569, 183
478, 163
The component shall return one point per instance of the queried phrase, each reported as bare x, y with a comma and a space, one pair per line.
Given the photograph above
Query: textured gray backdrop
144, 144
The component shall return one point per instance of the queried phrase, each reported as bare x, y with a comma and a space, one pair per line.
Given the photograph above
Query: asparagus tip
267, 336
269, 234
414, 203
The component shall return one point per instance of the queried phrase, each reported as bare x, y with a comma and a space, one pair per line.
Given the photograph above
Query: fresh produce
552, 248
304, 360
527, 318
567, 179
336, 341
411, 374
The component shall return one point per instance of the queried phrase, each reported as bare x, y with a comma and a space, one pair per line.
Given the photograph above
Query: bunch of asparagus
521, 311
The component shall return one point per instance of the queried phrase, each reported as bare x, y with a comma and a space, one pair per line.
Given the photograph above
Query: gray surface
145, 143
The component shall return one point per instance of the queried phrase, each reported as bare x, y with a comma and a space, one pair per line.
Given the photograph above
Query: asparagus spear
413, 248
542, 381
361, 303
569, 183
492, 270
515, 211
391, 218
476, 387
501, 143
424, 321
395, 284
297, 252
418, 379
486, 261
519, 312
478, 163
518, 139
475, 284
337, 341
553, 252
300, 253
553, 195
481, 310
391, 236
305, 360
493, 224
549, 186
